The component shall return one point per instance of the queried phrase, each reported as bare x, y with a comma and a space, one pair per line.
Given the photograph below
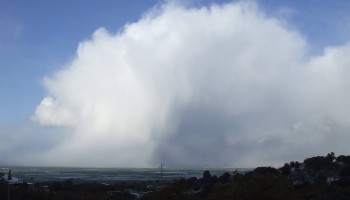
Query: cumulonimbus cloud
223, 85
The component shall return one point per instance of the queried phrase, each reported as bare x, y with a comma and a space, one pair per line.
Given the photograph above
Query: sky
197, 83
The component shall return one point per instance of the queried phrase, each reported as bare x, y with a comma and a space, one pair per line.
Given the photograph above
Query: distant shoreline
39, 174
320, 177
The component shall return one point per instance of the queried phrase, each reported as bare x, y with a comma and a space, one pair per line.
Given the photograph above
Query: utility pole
9, 179
161, 168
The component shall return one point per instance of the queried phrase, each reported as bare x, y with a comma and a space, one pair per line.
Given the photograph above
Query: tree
265, 170
285, 169
330, 157
224, 178
343, 159
206, 176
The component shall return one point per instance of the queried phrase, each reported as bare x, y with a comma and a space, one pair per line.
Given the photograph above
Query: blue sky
40, 38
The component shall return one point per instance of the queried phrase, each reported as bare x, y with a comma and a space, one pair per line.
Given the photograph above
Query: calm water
37, 174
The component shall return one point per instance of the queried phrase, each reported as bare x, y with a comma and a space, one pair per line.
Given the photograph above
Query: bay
38, 174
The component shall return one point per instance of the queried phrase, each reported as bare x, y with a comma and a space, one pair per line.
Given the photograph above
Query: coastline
320, 177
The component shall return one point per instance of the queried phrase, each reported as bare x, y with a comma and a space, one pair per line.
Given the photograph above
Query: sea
40, 174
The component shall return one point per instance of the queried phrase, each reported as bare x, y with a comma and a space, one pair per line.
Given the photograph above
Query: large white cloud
211, 86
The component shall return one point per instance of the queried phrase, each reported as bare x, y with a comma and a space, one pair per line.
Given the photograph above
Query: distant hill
320, 177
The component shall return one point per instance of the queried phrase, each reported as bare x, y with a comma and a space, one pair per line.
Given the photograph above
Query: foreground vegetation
318, 178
